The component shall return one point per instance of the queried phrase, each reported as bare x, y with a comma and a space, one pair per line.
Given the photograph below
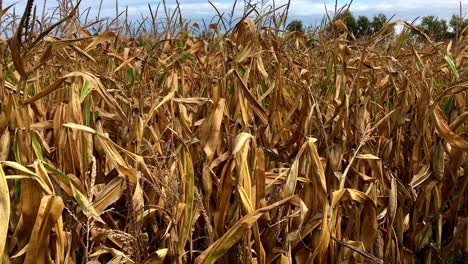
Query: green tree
295, 25
458, 24
435, 27
364, 27
378, 22
349, 20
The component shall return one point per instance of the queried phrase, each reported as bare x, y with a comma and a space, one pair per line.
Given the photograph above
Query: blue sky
310, 11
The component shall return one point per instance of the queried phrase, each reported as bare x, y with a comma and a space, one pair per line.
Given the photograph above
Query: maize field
230, 142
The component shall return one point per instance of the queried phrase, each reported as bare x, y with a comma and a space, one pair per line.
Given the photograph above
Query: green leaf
17, 189
31, 91
231, 89
15, 147
185, 57
390, 101
242, 69
452, 65
448, 105
403, 37
179, 44
330, 70
36, 146
130, 76
85, 204
141, 41
203, 92
82, 201
85, 90
8, 75
161, 79
60, 174
88, 112
79, 198
138, 76
330, 89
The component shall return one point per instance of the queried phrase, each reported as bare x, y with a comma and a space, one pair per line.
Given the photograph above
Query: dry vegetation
248, 145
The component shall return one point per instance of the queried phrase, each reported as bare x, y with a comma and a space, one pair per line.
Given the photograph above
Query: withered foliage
244, 145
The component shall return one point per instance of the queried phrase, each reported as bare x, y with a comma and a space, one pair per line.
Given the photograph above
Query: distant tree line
362, 26
438, 29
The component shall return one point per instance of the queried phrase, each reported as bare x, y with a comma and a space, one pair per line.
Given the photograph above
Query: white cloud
311, 11
402, 9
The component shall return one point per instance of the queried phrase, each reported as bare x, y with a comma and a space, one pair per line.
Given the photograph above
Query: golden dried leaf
445, 132
223, 244
109, 194
214, 133
50, 210
4, 210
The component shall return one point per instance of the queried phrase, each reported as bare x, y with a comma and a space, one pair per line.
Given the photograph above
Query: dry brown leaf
220, 246
109, 194
4, 210
445, 132
50, 210
214, 133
